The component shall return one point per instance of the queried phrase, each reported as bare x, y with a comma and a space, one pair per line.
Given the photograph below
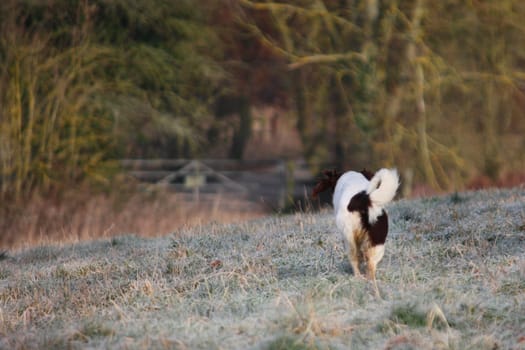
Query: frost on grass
452, 278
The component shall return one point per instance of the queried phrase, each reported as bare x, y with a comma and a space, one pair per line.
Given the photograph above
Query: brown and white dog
359, 199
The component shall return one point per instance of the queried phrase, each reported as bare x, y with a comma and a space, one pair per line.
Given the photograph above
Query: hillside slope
453, 277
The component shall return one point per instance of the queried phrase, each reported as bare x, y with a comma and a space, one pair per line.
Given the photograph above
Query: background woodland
436, 88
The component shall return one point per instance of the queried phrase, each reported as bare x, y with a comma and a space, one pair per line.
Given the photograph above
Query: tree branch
326, 58
311, 12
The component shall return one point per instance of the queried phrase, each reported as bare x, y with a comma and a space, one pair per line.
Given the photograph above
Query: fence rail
274, 183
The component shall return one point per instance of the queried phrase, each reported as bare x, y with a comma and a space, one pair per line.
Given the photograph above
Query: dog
359, 199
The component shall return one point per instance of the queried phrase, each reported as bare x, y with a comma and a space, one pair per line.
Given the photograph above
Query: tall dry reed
80, 215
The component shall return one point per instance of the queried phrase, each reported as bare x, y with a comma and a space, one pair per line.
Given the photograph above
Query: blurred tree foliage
434, 87
83, 82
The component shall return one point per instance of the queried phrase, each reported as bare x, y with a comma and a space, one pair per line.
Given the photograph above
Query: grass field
453, 277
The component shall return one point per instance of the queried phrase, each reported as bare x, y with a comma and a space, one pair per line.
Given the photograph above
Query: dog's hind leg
353, 256
374, 255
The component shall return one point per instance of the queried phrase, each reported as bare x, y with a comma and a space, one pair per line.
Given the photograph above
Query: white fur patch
373, 213
348, 185
348, 223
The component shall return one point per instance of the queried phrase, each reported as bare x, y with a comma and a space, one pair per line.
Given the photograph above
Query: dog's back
348, 185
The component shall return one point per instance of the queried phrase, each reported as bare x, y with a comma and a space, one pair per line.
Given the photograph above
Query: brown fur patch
379, 229
360, 202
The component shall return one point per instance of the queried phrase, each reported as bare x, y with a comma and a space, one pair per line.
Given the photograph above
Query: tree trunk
419, 80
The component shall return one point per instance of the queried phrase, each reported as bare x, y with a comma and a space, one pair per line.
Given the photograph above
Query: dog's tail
383, 186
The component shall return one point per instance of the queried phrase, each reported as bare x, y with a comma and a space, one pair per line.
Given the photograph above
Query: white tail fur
383, 186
